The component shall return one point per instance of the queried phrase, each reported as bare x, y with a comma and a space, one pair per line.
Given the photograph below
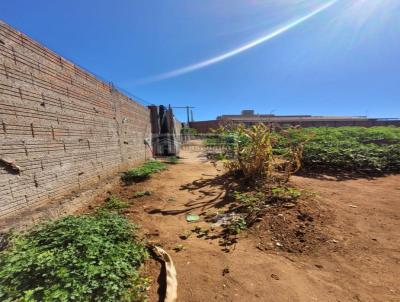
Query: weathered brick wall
60, 127
205, 126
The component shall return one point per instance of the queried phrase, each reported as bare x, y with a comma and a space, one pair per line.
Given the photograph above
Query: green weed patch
347, 149
114, 203
358, 149
143, 172
77, 258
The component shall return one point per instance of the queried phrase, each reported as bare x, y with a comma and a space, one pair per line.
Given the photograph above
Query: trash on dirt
224, 219
276, 277
279, 244
171, 280
319, 266
353, 206
192, 218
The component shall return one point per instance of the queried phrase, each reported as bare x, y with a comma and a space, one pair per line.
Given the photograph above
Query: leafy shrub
114, 203
143, 172
284, 194
137, 174
250, 199
155, 166
215, 140
236, 226
250, 153
77, 258
358, 149
256, 200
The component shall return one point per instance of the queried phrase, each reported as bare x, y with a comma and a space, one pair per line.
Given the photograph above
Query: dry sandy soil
341, 245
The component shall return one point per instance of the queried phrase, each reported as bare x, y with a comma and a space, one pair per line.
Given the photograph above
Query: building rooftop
250, 116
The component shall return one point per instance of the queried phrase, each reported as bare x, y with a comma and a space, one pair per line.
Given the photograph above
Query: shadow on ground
216, 193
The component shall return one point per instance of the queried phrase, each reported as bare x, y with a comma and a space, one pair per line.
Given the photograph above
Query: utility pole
188, 109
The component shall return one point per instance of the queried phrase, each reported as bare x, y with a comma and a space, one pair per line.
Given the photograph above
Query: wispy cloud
280, 30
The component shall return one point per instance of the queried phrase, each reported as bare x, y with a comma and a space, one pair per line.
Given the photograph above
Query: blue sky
343, 61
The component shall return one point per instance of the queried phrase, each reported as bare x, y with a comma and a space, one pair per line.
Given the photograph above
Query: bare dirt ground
343, 245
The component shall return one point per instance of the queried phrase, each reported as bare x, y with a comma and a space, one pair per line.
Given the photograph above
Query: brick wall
205, 126
61, 129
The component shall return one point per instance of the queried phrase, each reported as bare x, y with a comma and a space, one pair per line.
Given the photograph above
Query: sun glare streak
361, 13
229, 54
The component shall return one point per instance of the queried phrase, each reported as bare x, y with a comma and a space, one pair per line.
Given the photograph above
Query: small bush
143, 172
77, 258
155, 166
253, 200
137, 174
114, 203
250, 153
250, 199
236, 226
284, 194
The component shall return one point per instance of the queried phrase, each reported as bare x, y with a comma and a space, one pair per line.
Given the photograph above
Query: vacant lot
348, 248
286, 215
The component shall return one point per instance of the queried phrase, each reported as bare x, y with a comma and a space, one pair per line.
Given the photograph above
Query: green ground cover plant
357, 149
77, 258
347, 149
144, 171
115, 203
284, 194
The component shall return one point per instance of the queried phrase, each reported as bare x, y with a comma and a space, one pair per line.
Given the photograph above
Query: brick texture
61, 128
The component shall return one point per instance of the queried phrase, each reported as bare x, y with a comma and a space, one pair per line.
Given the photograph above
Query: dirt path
363, 265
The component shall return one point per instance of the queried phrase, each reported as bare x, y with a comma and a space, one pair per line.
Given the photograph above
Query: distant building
249, 117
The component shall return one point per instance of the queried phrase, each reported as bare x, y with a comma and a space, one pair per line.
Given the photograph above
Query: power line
188, 109
105, 81
134, 97
98, 77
